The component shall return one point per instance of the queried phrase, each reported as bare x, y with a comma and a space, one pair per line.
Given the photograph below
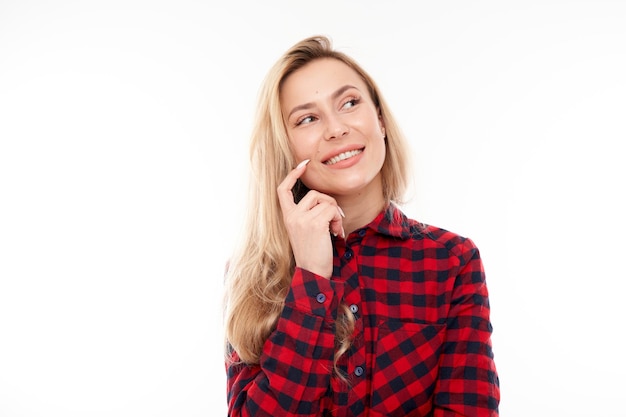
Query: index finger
285, 197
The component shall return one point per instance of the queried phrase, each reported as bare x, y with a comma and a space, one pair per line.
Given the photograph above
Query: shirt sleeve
296, 364
468, 382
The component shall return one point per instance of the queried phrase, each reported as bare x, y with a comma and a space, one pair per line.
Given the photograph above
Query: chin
344, 189
341, 185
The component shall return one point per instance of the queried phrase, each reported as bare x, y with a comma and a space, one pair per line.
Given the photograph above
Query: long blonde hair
259, 274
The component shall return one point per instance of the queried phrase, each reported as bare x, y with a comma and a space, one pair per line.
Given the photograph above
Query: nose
335, 128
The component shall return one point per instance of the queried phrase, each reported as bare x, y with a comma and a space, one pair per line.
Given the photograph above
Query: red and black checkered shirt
422, 343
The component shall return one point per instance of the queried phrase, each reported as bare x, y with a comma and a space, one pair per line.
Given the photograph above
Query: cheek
302, 147
310, 176
381, 150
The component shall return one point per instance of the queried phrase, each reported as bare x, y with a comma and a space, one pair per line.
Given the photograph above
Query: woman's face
330, 119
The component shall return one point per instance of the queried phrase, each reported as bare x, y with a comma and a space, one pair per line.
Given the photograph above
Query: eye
305, 120
350, 103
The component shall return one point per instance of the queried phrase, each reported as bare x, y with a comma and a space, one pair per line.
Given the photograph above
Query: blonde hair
259, 274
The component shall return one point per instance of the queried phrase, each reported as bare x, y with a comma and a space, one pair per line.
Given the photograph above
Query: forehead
318, 80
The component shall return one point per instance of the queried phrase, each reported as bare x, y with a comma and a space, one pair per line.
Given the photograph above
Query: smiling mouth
342, 156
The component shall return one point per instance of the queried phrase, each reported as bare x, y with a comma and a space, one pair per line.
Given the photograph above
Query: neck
361, 208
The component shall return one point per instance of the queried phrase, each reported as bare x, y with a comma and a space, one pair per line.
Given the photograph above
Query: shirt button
358, 371
320, 298
354, 308
362, 232
348, 254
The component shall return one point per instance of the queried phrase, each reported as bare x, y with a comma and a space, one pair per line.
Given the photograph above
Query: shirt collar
393, 222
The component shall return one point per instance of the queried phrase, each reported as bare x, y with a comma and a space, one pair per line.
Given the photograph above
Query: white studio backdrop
123, 168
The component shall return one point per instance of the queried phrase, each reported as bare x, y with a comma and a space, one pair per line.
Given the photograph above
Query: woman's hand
309, 223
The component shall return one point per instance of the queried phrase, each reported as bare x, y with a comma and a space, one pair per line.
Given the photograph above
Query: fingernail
343, 233
341, 211
303, 163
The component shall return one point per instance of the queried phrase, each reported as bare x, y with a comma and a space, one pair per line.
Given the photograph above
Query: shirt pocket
406, 367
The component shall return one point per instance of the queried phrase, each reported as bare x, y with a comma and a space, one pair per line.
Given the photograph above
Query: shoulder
436, 240
455, 244
441, 242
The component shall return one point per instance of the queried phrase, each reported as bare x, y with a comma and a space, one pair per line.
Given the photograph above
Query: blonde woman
336, 303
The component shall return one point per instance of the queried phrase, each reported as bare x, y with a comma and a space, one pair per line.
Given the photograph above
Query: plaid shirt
421, 345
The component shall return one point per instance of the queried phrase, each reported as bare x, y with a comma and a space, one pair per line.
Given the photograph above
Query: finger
328, 214
336, 227
285, 197
313, 198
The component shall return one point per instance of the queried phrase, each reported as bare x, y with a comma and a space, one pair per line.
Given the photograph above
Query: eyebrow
334, 95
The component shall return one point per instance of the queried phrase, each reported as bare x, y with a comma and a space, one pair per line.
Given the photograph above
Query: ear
381, 123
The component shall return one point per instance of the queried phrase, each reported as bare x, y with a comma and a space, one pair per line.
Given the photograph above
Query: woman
338, 304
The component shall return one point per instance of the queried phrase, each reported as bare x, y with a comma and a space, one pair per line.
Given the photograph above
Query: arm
293, 376
468, 382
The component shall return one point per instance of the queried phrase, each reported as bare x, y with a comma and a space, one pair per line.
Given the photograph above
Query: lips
342, 156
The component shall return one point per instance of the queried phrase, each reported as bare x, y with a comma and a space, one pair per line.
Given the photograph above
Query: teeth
342, 156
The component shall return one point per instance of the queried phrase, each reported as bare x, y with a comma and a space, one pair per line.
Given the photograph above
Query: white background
124, 130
